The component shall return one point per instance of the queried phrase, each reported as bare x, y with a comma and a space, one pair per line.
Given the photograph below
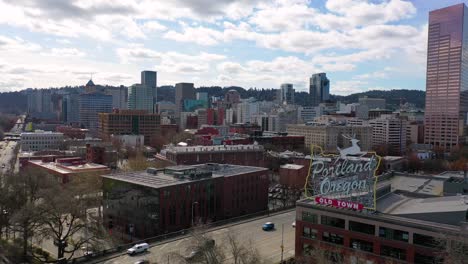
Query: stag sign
347, 180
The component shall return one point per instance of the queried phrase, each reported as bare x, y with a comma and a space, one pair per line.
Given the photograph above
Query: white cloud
154, 26
64, 52
199, 35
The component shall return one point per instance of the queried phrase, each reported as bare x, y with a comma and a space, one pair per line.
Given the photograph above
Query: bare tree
453, 250
66, 221
241, 252
137, 163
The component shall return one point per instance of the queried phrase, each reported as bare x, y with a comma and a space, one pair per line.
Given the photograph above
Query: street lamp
192, 210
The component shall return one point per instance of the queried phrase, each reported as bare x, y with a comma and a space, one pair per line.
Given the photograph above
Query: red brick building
247, 155
293, 175
67, 168
246, 129
410, 224
156, 201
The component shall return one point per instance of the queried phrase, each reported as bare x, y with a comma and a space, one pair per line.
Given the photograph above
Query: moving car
138, 248
268, 226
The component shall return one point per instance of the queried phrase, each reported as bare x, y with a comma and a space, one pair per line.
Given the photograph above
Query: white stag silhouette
353, 150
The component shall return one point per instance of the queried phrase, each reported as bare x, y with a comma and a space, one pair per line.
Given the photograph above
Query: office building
319, 89
41, 140
413, 223
91, 104
119, 96
446, 114
329, 136
183, 91
373, 103
70, 104
150, 79
389, 131
246, 155
140, 97
129, 122
246, 110
159, 201
286, 94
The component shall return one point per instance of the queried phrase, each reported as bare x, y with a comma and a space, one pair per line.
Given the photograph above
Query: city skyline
250, 44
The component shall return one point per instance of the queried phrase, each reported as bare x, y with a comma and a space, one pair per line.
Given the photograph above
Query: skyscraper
447, 77
150, 79
286, 94
91, 104
183, 91
140, 97
319, 89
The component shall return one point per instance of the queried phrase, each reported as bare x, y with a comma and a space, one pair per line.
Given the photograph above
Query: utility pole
282, 245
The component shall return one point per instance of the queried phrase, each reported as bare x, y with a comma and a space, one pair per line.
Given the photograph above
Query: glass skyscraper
91, 104
319, 89
447, 78
140, 97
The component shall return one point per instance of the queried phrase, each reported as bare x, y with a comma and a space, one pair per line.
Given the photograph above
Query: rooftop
174, 175
292, 166
217, 148
69, 169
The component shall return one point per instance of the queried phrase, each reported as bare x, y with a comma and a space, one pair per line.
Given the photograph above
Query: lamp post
192, 210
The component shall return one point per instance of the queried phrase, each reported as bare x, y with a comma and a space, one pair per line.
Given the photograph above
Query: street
268, 243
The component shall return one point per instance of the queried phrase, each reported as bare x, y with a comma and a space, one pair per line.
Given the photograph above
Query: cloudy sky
361, 44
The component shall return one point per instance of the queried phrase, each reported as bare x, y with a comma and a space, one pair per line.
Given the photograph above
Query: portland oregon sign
344, 180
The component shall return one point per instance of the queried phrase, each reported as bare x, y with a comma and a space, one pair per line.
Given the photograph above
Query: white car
294, 224
138, 248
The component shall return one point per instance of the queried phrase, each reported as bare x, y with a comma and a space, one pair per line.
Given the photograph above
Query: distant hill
393, 97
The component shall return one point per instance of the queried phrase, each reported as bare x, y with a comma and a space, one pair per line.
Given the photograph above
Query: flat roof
161, 179
69, 169
216, 148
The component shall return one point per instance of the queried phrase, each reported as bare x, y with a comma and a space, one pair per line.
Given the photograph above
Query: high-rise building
150, 79
140, 97
184, 91
389, 131
319, 89
446, 120
91, 104
129, 122
286, 94
70, 103
119, 96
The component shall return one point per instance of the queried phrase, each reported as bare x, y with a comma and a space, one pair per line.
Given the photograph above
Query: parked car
268, 226
294, 224
138, 248
142, 261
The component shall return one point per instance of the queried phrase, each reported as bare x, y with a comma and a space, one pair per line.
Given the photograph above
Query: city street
7, 153
268, 243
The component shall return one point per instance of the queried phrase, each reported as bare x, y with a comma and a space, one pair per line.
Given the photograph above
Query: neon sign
347, 180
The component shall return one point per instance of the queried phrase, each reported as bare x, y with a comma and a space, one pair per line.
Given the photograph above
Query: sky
361, 45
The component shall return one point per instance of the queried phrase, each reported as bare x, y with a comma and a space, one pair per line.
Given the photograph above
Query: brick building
247, 155
65, 169
156, 201
127, 122
293, 175
412, 220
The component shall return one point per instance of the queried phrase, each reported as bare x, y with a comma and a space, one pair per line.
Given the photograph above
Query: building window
309, 217
392, 252
332, 221
306, 249
361, 228
333, 238
309, 232
425, 259
426, 241
362, 245
393, 234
